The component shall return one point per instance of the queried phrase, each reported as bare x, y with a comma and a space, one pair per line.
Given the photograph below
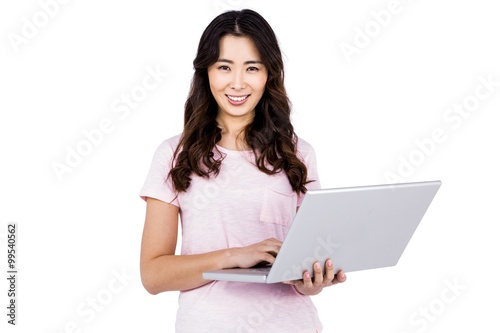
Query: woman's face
238, 79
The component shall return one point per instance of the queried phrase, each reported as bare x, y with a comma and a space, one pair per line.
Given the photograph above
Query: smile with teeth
237, 98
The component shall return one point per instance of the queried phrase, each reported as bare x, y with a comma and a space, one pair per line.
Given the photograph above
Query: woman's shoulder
304, 147
173, 141
167, 147
170, 143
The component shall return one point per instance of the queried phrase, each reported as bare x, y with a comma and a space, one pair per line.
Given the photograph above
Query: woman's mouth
237, 100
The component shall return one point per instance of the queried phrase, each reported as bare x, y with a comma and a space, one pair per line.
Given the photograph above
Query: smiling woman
237, 82
235, 176
248, 38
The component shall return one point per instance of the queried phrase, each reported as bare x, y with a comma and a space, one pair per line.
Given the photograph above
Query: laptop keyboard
260, 269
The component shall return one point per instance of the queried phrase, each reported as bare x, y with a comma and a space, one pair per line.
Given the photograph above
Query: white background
363, 114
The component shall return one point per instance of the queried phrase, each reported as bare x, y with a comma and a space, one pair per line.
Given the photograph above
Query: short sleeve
308, 156
157, 184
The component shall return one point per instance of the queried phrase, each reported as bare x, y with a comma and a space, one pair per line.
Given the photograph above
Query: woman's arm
162, 270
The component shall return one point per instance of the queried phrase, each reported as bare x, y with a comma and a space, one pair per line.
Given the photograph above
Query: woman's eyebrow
248, 62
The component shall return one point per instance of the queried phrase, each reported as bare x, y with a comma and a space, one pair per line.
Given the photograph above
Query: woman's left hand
313, 286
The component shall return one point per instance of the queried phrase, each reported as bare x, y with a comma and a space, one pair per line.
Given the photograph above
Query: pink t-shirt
239, 207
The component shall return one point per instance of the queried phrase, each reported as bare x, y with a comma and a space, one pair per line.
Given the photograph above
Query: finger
268, 257
307, 279
271, 250
273, 241
293, 282
270, 246
329, 273
340, 277
318, 274
276, 247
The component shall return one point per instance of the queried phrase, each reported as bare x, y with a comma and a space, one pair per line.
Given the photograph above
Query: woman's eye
252, 69
224, 68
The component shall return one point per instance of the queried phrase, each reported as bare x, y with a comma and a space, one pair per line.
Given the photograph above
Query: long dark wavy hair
271, 135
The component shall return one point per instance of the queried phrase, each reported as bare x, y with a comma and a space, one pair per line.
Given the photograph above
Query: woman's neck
232, 133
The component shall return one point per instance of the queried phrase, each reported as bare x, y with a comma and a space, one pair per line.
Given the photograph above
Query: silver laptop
358, 228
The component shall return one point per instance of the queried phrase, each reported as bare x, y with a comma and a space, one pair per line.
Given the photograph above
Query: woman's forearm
181, 272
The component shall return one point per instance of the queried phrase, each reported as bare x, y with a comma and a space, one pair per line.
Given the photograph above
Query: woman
236, 176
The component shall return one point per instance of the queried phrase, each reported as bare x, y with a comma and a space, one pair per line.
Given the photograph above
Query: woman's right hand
251, 255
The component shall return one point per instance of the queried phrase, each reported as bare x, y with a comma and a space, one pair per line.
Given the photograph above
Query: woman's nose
238, 81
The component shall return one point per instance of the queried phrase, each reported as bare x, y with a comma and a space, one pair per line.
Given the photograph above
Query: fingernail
317, 266
308, 276
329, 263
